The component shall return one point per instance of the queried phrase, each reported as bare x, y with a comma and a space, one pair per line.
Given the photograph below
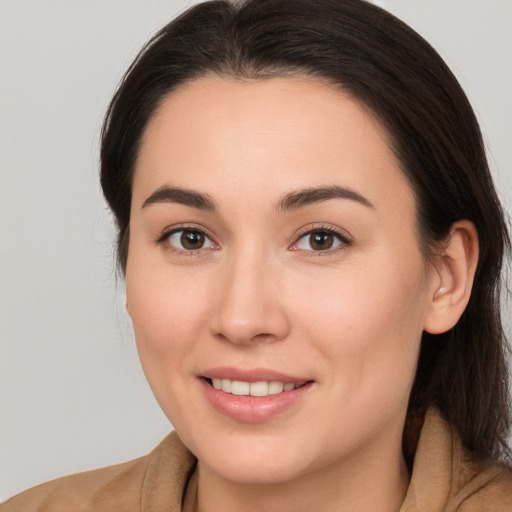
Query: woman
312, 244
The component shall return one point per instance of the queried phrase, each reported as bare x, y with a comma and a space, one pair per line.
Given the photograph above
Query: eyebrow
305, 197
291, 201
183, 196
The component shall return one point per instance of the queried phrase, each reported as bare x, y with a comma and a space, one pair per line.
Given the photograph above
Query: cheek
168, 313
167, 310
367, 321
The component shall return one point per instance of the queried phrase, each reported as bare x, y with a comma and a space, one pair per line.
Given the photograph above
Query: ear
455, 269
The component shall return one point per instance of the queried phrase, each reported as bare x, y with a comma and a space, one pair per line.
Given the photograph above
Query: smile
253, 396
262, 388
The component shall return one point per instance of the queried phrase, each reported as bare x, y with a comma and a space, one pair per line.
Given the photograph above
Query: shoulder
478, 485
483, 487
91, 490
447, 477
132, 486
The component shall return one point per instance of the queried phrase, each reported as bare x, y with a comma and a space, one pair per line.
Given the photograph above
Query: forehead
271, 135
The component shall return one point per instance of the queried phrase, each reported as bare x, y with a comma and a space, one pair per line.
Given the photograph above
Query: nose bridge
247, 305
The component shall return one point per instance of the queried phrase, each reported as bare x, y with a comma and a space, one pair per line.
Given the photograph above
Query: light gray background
72, 394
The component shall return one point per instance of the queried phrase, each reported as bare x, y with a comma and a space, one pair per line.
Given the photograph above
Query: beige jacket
445, 478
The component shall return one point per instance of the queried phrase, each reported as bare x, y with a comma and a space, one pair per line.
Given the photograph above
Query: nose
248, 306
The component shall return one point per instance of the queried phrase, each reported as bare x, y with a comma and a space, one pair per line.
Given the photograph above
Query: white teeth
226, 385
275, 387
239, 388
262, 388
258, 389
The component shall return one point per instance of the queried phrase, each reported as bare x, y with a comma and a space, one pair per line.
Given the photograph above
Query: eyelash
344, 242
163, 240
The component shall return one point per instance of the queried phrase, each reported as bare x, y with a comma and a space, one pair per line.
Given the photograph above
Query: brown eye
189, 240
320, 240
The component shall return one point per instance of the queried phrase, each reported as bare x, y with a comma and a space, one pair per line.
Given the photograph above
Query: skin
257, 295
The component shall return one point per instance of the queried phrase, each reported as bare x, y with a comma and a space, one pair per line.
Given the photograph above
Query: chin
256, 471
251, 459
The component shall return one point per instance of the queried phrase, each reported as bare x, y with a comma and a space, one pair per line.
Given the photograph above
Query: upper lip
251, 375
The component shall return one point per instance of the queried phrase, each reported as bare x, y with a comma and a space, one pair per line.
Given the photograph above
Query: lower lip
252, 409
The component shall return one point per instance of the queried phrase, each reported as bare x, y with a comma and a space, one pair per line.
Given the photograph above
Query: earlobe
455, 269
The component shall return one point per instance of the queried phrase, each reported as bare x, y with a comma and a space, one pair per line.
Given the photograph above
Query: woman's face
273, 245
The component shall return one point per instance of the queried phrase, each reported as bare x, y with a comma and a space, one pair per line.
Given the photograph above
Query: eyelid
163, 236
344, 237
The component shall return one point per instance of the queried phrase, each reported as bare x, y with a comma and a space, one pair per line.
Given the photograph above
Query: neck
371, 482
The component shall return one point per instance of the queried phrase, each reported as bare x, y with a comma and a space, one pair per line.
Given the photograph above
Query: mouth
257, 389
253, 395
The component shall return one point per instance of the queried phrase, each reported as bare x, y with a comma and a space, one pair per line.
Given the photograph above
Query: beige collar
444, 475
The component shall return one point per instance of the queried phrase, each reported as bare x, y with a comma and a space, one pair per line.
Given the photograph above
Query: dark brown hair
387, 67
